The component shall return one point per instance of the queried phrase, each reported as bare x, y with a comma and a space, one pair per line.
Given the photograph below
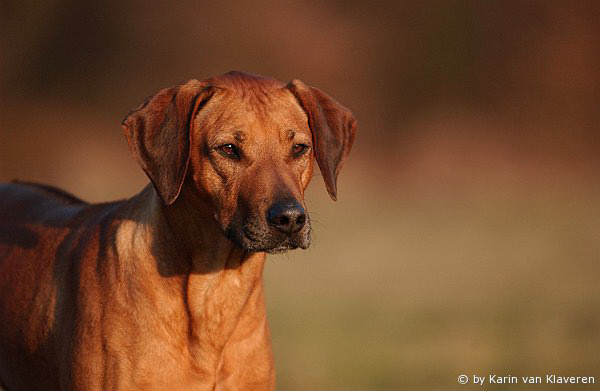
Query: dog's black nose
287, 216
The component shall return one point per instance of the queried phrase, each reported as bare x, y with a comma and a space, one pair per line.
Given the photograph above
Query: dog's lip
283, 246
287, 243
248, 234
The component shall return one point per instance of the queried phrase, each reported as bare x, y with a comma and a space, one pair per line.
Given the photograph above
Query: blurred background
466, 238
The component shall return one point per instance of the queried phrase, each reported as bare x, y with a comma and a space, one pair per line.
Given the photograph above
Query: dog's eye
299, 149
229, 150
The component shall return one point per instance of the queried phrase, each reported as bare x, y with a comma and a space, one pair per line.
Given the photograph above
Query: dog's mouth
253, 238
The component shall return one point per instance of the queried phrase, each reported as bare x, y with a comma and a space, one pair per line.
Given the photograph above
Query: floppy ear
333, 127
158, 133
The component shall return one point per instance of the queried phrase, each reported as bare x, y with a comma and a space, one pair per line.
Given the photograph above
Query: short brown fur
164, 290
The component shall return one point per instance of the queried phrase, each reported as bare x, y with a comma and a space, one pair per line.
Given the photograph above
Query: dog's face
245, 145
252, 156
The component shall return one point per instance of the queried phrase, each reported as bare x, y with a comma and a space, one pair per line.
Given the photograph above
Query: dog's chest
168, 341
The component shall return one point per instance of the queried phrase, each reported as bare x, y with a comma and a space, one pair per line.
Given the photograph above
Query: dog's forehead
256, 108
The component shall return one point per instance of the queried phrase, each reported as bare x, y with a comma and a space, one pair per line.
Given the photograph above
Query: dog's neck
185, 236
218, 283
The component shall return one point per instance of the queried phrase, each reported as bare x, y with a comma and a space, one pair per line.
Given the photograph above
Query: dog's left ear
333, 127
158, 133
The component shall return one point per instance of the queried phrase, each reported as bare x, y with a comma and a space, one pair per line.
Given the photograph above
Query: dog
164, 290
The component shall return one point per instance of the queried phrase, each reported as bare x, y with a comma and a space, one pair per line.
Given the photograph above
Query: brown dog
164, 291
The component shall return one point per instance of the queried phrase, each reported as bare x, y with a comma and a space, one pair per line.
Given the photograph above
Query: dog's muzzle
285, 227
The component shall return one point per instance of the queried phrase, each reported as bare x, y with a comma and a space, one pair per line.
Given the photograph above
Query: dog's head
244, 146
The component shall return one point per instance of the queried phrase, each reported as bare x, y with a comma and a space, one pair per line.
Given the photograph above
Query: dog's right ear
158, 133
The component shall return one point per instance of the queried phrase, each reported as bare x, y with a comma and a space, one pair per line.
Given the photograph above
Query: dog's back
24, 202
27, 208
40, 228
